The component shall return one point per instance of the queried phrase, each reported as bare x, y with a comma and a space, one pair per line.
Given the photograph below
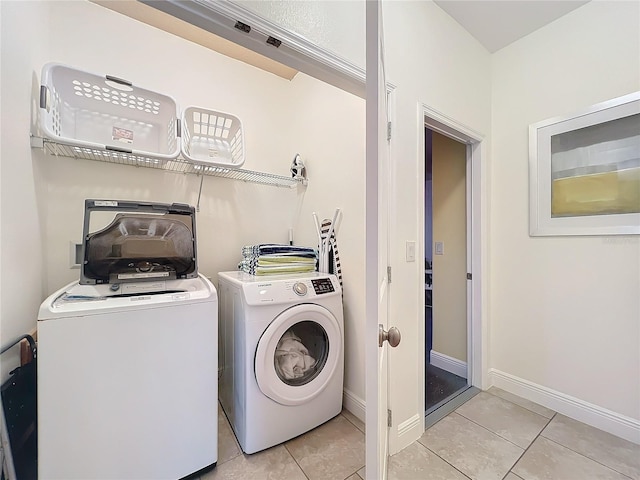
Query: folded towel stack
273, 259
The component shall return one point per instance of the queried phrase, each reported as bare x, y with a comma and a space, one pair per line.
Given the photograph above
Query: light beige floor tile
361, 473
616, 453
472, 449
417, 462
512, 476
523, 402
546, 460
353, 419
355, 476
228, 447
332, 451
512, 422
272, 464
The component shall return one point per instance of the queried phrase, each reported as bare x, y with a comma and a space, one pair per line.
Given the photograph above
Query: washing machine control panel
322, 285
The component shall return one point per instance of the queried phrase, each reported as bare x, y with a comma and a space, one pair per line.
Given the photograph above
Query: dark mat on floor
441, 384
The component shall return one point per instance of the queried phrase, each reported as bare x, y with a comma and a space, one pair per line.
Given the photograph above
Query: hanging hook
298, 169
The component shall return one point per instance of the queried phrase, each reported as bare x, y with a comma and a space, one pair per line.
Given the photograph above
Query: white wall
434, 62
564, 310
21, 257
281, 118
450, 228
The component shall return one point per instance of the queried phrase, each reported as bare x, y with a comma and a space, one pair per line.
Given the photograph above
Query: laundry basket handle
44, 95
119, 80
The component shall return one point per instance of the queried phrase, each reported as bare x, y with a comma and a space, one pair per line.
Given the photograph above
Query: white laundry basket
211, 137
101, 112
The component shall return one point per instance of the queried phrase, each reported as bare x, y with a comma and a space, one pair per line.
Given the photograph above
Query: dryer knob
300, 288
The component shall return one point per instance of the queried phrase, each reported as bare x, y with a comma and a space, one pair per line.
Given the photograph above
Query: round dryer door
298, 354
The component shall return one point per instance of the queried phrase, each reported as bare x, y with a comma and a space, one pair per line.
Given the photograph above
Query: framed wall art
584, 171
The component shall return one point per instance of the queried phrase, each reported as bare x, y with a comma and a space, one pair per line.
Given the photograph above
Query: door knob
392, 336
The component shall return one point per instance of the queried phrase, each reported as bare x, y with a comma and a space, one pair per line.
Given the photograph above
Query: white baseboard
450, 364
354, 404
408, 425
406, 433
598, 417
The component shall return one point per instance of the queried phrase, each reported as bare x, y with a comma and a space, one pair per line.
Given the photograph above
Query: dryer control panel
260, 291
322, 285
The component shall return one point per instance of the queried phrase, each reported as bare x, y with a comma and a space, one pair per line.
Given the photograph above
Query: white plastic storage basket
213, 138
105, 112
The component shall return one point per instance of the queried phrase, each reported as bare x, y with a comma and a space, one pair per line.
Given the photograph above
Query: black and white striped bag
334, 256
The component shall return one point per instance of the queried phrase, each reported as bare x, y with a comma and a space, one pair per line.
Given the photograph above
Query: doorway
471, 144
445, 261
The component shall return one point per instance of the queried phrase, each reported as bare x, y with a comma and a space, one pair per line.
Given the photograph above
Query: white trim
450, 364
448, 126
598, 417
411, 427
477, 355
354, 404
219, 17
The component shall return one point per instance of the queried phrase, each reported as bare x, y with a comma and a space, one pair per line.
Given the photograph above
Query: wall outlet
439, 248
75, 255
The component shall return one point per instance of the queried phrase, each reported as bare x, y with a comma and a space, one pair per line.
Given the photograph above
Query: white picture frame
575, 184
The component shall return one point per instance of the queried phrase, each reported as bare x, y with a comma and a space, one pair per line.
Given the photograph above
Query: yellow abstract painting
597, 194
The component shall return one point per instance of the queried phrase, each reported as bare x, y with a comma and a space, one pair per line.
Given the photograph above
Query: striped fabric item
334, 257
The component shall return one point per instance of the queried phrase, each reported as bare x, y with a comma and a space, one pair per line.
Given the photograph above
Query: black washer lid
125, 241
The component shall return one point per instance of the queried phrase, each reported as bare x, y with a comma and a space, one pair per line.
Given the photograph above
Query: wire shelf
179, 165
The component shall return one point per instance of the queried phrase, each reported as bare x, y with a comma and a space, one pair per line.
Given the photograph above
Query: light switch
439, 248
411, 252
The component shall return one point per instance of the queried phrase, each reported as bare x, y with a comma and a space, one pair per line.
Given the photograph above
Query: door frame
476, 245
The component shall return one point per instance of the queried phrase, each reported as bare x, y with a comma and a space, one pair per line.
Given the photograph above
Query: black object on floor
19, 407
440, 385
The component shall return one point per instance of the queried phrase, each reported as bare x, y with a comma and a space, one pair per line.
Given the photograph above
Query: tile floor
495, 435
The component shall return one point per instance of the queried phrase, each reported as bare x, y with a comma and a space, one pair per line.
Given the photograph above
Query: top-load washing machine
281, 353
127, 356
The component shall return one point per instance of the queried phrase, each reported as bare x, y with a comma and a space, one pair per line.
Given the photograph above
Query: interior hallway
495, 435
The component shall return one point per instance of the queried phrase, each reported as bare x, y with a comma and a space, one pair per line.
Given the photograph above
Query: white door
376, 274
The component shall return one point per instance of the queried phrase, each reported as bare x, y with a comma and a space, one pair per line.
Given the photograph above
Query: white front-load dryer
281, 354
